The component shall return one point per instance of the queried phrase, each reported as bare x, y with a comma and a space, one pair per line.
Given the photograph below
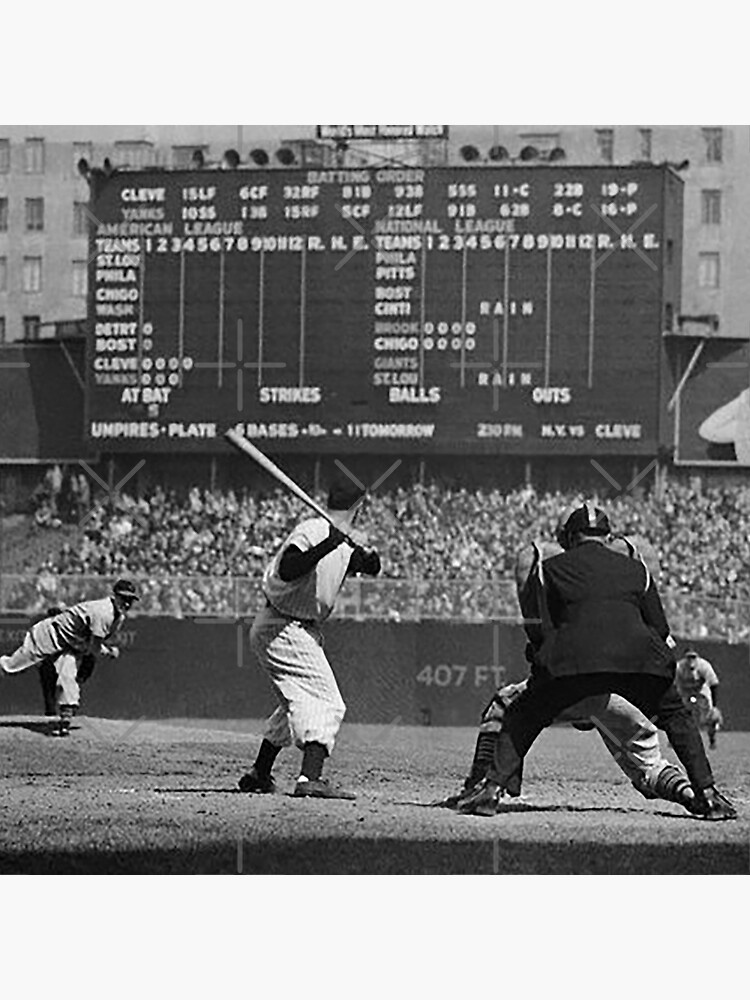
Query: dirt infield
124, 797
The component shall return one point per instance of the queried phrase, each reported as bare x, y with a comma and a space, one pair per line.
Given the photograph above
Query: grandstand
448, 551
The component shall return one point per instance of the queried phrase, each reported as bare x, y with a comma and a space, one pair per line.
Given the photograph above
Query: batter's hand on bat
111, 651
335, 536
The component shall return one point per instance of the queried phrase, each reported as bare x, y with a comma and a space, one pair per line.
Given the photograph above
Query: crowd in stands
445, 552
63, 496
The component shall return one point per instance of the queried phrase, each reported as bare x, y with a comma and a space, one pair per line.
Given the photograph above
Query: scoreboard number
486, 310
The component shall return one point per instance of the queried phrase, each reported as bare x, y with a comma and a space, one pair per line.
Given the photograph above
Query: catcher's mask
584, 520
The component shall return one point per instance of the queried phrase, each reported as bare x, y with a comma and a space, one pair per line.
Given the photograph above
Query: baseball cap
692, 653
344, 494
584, 520
125, 588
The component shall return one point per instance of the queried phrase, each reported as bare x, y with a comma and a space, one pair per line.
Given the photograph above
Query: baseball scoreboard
484, 309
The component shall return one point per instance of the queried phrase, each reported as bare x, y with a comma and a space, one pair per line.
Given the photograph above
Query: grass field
125, 797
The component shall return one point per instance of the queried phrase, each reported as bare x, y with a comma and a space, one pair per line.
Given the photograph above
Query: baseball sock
484, 754
672, 784
266, 758
313, 756
66, 714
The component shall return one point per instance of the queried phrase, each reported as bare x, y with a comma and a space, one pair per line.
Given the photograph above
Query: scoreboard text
504, 310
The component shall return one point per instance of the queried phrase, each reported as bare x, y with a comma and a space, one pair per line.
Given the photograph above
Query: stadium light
497, 153
197, 160
285, 156
259, 157
231, 160
469, 153
557, 155
528, 153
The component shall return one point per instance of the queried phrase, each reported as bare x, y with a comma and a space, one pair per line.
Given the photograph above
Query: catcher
698, 684
625, 731
603, 630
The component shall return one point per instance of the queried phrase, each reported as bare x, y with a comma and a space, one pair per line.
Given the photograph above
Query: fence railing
361, 599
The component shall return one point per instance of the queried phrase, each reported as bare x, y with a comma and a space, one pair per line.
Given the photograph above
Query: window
646, 136
3, 215
708, 270
32, 274
31, 325
34, 156
134, 154
3, 274
668, 316
4, 156
34, 214
605, 141
711, 208
80, 218
80, 277
714, 140
81, 151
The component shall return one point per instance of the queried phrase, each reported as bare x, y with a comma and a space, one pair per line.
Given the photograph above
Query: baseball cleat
321, 789
256, 783
452, 801
482, 800
712, 805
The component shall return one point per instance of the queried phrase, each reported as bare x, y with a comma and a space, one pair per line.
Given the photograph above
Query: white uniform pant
311, 708
39, 642
68, 688
629, 736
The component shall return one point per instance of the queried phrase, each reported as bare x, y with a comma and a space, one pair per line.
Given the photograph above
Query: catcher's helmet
584, 520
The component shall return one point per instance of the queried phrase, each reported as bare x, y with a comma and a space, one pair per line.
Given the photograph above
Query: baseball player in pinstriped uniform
68, 637
300, 586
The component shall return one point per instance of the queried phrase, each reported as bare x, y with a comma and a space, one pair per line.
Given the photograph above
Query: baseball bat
281, 477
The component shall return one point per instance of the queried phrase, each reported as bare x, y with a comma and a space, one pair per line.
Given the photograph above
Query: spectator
452, 550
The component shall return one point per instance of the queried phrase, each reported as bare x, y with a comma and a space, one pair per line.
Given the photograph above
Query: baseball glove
715, 718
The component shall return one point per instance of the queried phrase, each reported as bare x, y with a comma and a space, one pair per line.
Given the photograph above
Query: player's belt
290, 618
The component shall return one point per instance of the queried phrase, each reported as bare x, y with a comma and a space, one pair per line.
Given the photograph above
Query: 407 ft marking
456, 674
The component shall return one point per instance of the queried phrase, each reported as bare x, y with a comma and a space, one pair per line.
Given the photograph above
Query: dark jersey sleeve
296, 563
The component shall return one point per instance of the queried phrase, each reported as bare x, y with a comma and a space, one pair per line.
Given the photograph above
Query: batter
300, 586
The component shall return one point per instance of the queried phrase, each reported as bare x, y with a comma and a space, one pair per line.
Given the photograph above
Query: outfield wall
423, 673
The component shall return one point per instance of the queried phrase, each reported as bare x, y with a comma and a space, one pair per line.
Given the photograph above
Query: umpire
603, 630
